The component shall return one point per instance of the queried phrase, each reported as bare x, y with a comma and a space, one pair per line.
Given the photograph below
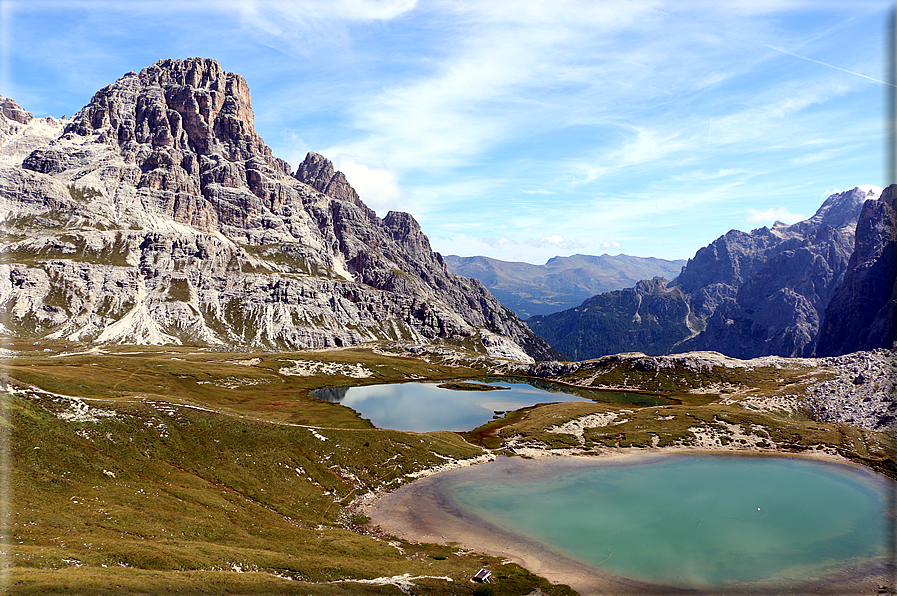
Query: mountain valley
172, 294
562, 282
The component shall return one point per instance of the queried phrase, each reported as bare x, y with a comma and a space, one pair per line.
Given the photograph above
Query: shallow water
692, 521
424, 407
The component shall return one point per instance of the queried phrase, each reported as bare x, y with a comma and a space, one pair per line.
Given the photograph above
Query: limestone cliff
156, 214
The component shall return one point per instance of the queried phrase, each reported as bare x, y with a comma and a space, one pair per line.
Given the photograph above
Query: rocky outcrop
11, 111
862, 314
317, 171
12, 118
861, 391
158, 215
744, 295
857, 389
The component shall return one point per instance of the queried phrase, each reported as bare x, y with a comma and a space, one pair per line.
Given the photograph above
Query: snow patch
339, 267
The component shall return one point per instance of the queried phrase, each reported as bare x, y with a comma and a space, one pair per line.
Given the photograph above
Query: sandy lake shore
421, 511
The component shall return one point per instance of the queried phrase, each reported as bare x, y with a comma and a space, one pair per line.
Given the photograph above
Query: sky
524, 129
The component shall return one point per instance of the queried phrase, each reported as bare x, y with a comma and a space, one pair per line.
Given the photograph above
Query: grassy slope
192, 495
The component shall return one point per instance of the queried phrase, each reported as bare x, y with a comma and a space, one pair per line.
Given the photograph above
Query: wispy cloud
500, 242
555, 241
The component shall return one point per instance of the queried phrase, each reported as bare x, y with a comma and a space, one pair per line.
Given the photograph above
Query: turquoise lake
690, 520
424, 407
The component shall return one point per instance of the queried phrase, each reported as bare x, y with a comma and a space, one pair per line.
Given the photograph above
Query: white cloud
537, 192
557, 241
772, 215
487, 85
703, 175
645, 146
298, 150
824, 155
610, 244
379, 188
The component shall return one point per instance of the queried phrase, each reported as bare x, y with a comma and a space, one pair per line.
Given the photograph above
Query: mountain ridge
746, 294
156, 214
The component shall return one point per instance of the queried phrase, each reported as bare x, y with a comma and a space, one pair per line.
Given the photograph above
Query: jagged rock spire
189, 105
318, 172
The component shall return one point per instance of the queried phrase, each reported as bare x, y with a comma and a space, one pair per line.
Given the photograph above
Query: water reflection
424, 407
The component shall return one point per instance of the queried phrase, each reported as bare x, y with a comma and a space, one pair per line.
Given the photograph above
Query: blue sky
518, 129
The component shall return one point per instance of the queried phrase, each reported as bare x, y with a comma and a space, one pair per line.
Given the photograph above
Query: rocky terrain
745, 295
862, 392
562, 282
858, 389
157, 215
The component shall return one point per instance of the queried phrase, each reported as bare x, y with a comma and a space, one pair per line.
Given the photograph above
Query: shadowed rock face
158, 215
862, 314
745, 294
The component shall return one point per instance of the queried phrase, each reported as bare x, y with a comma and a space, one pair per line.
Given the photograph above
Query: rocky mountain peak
749, 294
10, 109
862, 314
12, 118
158, 215
183, 106
841, 210
318, 172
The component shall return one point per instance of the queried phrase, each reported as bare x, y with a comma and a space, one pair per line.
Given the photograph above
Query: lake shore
420, 511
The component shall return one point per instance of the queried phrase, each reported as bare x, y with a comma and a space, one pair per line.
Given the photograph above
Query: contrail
826, 64
786, 52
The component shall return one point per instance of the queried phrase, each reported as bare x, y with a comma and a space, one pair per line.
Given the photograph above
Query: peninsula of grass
464, 386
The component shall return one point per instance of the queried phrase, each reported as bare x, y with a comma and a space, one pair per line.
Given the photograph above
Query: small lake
690, 521
425, 407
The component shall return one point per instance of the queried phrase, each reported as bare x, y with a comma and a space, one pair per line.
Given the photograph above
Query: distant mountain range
562, 282
822, 286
